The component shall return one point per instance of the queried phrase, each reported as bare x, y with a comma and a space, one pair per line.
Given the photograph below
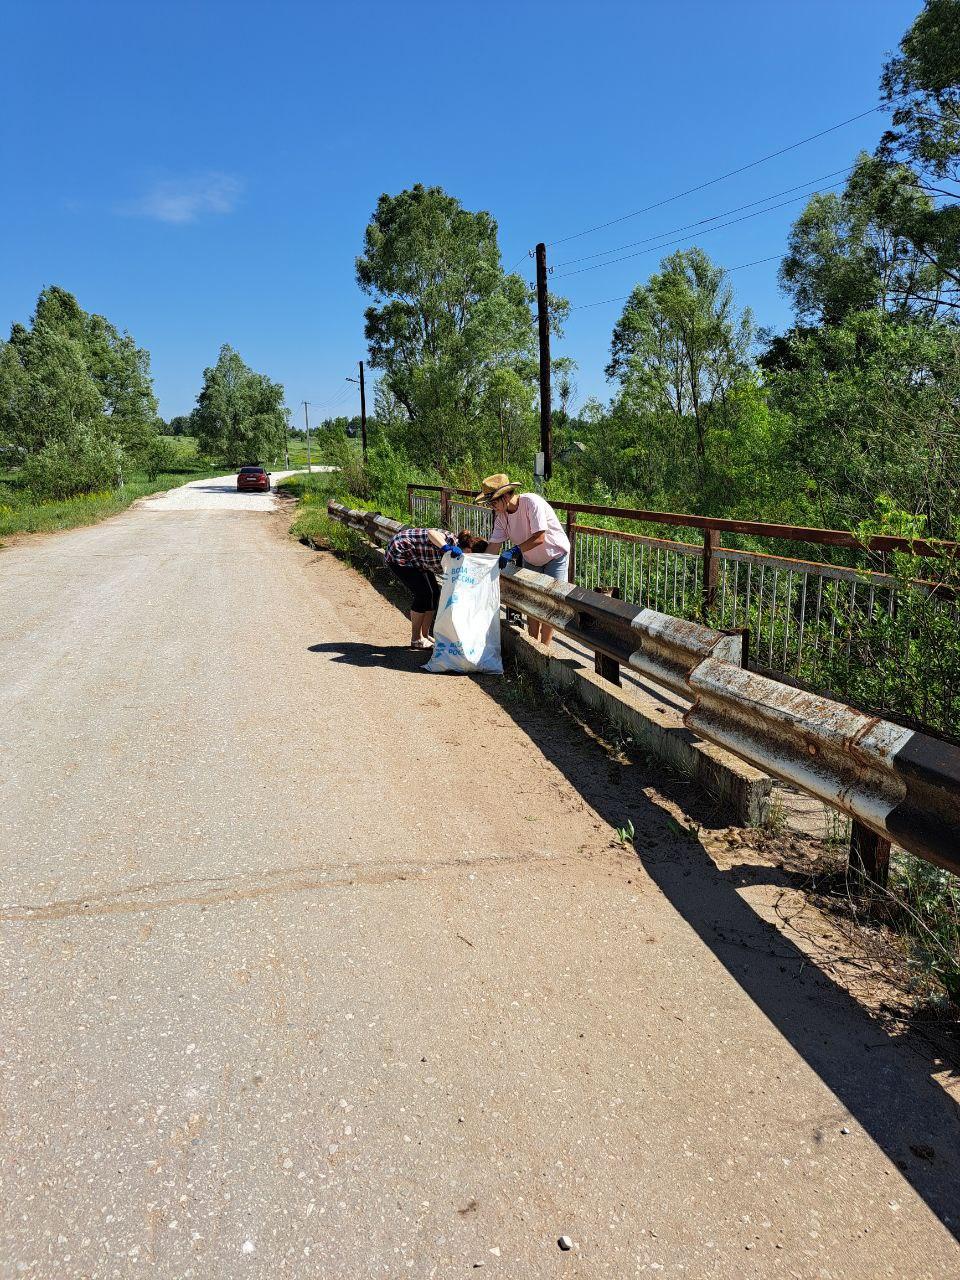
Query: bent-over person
415, 557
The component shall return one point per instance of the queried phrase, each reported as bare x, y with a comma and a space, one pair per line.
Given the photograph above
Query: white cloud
182, 200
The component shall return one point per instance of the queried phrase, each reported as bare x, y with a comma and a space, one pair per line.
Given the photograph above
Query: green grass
923, 904
21, 513
311, 522
298, 453
185, 447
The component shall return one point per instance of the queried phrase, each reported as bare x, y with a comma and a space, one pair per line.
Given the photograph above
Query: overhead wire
601, 253
732, 173
667, 244
333, 402
602, 302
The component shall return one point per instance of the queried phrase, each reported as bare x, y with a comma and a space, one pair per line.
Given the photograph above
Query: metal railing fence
847, 631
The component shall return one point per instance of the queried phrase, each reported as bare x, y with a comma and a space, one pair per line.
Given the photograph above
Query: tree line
78, 412
851, 415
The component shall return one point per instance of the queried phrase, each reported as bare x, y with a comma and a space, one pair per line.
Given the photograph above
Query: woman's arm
533, 541
498, 535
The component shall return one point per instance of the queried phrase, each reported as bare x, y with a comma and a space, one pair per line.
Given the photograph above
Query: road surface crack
161, 895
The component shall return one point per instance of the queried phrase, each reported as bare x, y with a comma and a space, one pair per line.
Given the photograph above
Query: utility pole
363, 414
543, 326
306, 418
286, 436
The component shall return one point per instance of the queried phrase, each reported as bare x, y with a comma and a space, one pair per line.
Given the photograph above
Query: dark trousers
422, 584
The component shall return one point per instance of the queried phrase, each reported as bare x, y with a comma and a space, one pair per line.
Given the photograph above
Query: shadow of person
358, 654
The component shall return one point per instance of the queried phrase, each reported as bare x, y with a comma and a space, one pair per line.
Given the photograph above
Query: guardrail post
606, 667
744, 634
869, 855
570, 530
445, 508
410, 489
711, 543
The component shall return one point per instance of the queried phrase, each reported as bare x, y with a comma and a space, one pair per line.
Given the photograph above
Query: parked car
253, 479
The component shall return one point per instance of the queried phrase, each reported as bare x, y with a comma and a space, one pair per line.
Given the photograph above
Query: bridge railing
827, 627
896, 783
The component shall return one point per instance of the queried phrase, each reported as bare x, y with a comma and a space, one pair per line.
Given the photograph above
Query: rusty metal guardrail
897, 784
835, 629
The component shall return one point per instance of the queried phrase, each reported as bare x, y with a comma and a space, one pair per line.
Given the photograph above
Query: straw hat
494, 487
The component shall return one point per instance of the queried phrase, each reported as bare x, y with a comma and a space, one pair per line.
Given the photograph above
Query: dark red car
253, 480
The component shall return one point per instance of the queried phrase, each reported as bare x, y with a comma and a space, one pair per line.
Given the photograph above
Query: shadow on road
884, 1081
357, 654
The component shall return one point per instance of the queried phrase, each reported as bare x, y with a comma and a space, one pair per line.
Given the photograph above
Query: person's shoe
419, 644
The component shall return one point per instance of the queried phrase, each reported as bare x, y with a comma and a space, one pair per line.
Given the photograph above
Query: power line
658, 204
667, 244
727, 270
701, 221
333, 402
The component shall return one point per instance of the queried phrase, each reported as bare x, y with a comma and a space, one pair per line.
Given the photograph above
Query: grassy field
312, 520
298, 451
21, 513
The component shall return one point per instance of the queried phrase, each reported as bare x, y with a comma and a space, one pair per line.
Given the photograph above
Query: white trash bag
466, 629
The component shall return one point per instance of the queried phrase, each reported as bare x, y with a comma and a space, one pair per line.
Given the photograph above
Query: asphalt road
317, 965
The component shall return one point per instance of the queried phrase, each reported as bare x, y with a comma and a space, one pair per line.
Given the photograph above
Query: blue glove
452, 549
514, 556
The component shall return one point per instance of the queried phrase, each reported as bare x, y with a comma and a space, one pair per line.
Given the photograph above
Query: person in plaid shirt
416, 557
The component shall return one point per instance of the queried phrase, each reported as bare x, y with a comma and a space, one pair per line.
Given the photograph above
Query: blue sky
202, 173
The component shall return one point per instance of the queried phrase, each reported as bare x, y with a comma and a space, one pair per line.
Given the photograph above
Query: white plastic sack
466, 629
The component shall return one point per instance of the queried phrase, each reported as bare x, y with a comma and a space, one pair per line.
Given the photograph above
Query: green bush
88, 463
159, 456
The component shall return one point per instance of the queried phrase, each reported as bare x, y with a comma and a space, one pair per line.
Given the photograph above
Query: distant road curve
219, 494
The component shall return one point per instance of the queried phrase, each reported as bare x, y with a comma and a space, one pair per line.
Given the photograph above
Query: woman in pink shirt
530, 523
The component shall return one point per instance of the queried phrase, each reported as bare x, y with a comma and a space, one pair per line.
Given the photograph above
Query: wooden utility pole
543, 327
306, 419
363, 414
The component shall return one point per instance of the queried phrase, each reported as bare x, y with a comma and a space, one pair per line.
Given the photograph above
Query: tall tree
446, 321
239, 416
921, 86
873, 405
119, 368
678, 350
75, 370
853, 251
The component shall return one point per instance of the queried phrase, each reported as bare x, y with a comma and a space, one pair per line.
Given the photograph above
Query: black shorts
423, 585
